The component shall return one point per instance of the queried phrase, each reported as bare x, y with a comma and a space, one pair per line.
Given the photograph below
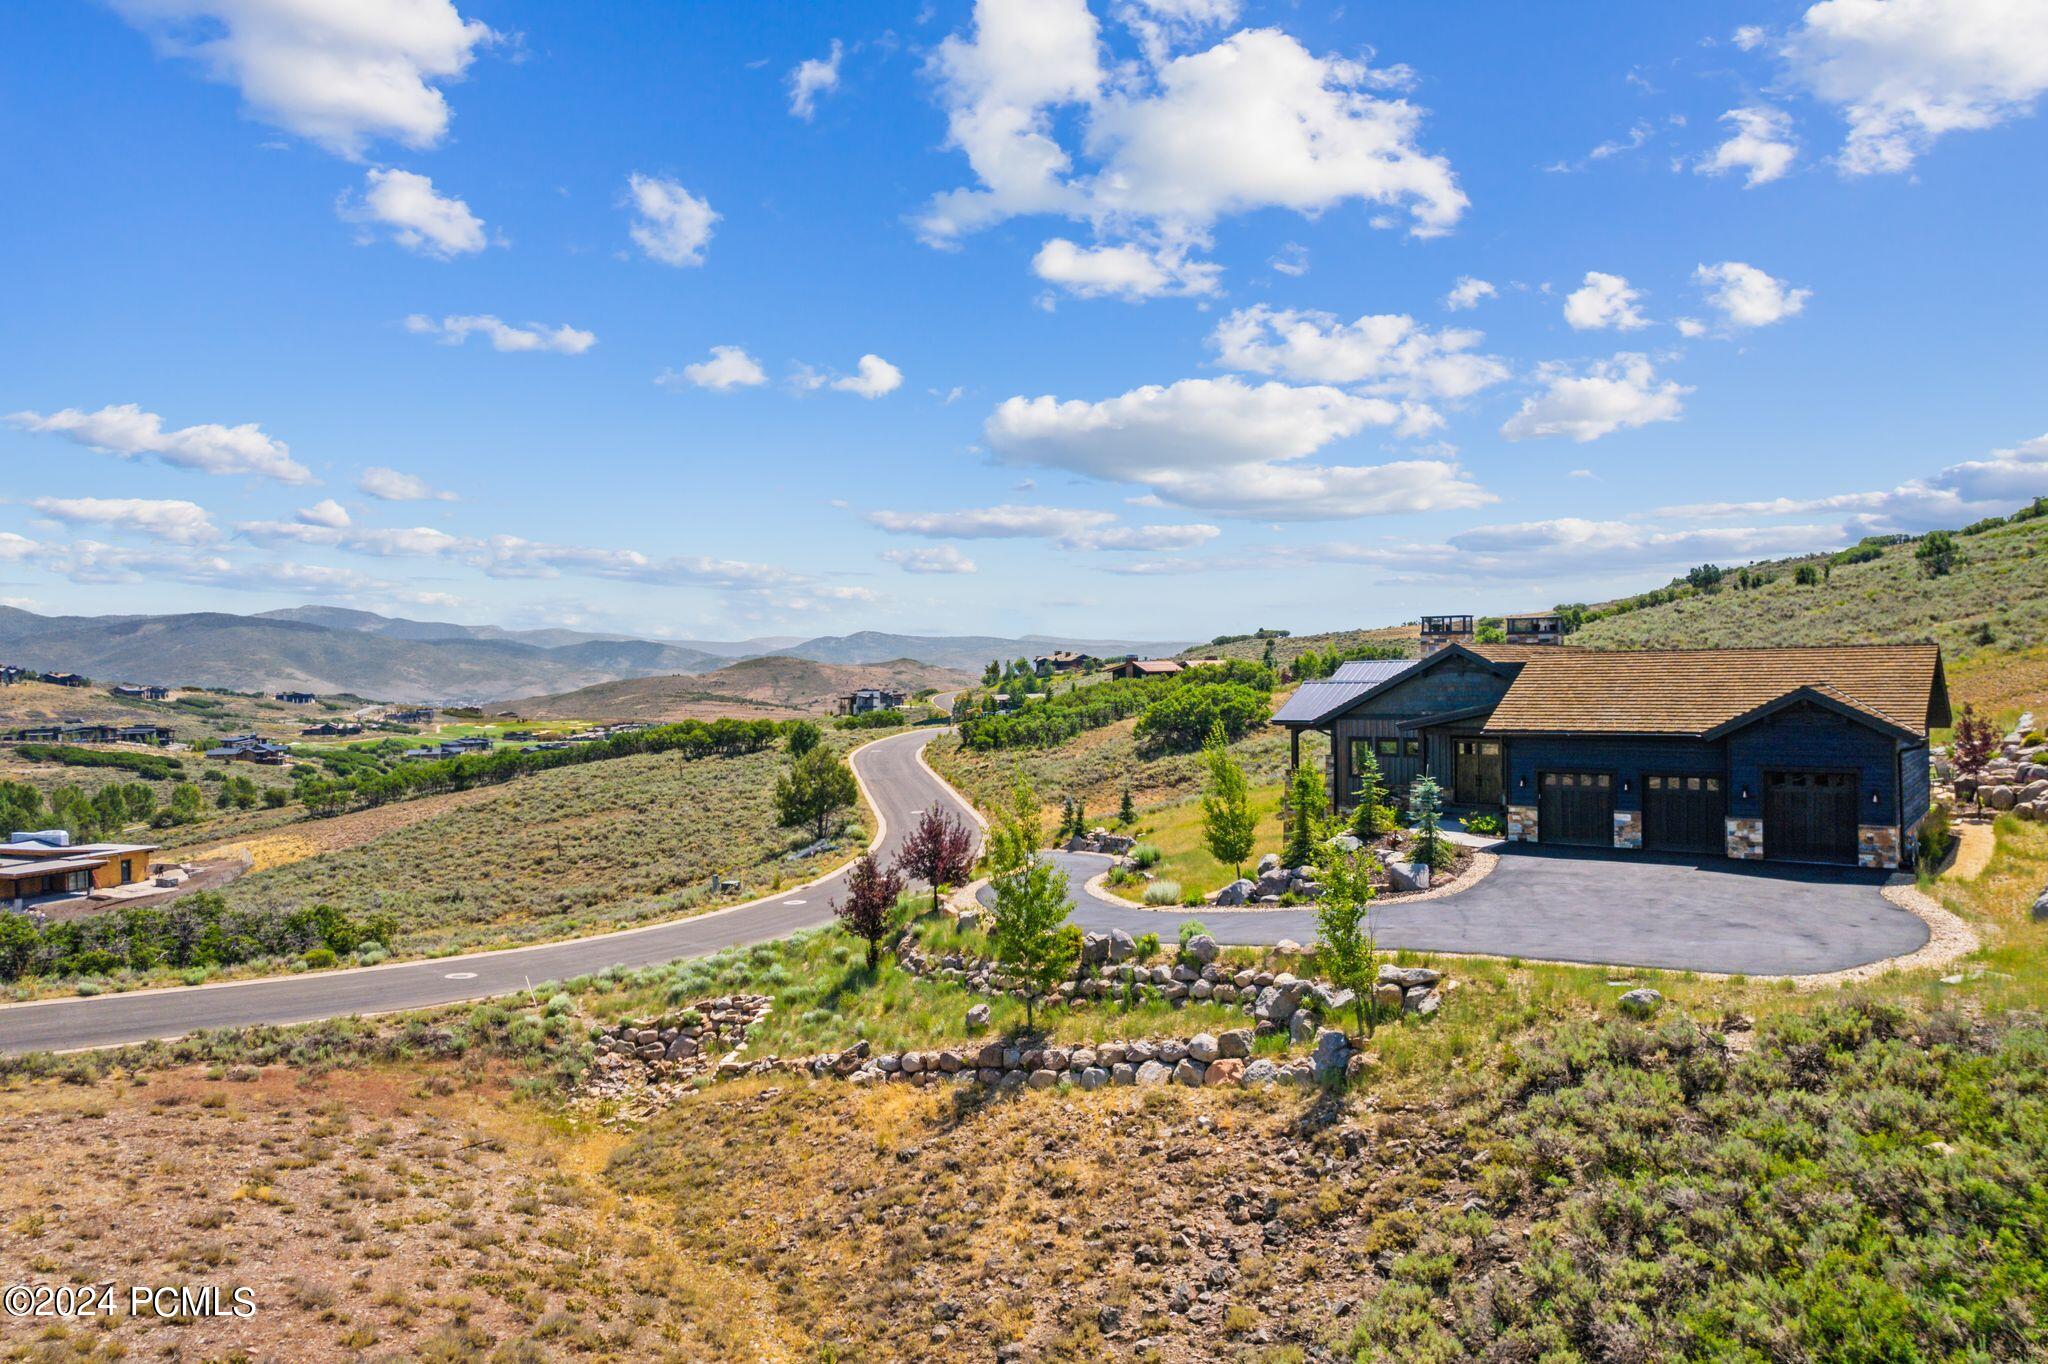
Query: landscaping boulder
1407, 977
1189, 1073
1640, 1002
1223, 1072
1259, 1072
1204, 1048
1274, 1004
1237, 892
1094, 1077
1276, 882
1123, 1073
1152, 1073
1237, 1042
2041, 906
1202, 948
1406, 876
1119, 844
2001, 798
977, 1019
1122, 947
1333, 1049
1094, 949
1270, 862
1300, 1028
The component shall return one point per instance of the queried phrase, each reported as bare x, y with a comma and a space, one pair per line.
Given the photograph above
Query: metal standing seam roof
1694, 691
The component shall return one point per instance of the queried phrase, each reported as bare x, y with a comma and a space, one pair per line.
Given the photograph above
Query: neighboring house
10, 674
1063, 661
127, 692
143, 734
1537, 627
450, 748
156, 693
418, 716
249, 748
1440, 632
1145, 667
66, 680
46, 863
294, 698
1812, 754
871, 699
330, 729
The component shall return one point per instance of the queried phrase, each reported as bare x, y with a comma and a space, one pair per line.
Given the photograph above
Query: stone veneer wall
1521, 824
1628, 828
1745, 837
1877, 846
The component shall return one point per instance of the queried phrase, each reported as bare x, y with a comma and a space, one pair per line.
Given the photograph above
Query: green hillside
1989, 613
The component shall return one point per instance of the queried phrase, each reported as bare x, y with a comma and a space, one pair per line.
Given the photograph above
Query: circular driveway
1613, 909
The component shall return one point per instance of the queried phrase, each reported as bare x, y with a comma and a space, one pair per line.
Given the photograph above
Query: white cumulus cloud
1228, 446
1906, 72
1609, 396
1761, 146
872, 378
124, 429
1125, 271
337, 72
416, 215
389, 485
812, 77
934, 559
728, 368
1746, 296
1955, 495
1467, 292
1388, 353
1604, 301
180, 523
326, 512
534, 336
670, 224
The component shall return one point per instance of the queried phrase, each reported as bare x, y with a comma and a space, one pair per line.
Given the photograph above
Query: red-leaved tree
868, 909
939, 852
1973, 743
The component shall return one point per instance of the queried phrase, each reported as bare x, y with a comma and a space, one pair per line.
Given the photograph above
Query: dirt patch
1974, 845
210, 875
387, 1213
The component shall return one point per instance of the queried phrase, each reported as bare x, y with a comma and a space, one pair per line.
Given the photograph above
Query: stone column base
1877, 845
1745, 838
1628, 828
1521, 824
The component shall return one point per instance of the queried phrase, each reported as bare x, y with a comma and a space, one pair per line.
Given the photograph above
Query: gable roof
1314, 702
1708, 692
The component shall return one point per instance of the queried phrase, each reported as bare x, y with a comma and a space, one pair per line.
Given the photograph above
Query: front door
1576, 808
1475, 772
1684, 814
1810, 816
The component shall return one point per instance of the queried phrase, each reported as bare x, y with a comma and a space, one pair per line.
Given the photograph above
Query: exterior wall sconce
1745, 793
1873, 798
1522, 783
1624, 783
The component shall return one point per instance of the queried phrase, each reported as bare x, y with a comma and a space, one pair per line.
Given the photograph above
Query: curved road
1632, 909
898, 785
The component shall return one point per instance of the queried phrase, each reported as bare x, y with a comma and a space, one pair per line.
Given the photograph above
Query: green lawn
1176, 830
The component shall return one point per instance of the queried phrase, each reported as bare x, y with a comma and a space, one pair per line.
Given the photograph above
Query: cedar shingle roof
1693, 691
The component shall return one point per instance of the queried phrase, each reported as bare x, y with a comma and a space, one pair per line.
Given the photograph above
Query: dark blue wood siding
1457, 683
1916, 785
1629, 760
1812, 738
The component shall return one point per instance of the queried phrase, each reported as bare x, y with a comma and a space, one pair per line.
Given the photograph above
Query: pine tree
1307, 803
1127, 813
1426, 800
1374, 816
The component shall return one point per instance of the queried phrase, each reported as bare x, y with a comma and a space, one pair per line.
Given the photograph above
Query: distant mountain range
332, 649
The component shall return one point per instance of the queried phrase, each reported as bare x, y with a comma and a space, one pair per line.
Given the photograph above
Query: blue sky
1141, 319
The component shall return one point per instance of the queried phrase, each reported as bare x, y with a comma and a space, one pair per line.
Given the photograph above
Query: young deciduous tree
1013, 838
1346, 954
1307, 805
815, 789
1029, 931
1374, 815
1973, 743
868, 908
939, 851
1229, 824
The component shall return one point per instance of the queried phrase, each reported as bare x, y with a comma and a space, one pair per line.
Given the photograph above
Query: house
46, 863
330, 729
1442, 631
10, 674
86, 732
450, 748
143, 734
66, 680
155, 693
1815, 754
294, 698
1133, 668
36, 734
871, 699
419, 715
1062, 661
1538, 627
251, 748
127, 691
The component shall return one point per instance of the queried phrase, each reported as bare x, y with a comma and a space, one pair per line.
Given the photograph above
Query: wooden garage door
1684, 814
1810, 816
1576, 808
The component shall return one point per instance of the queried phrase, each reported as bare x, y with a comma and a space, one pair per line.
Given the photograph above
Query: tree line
195, 931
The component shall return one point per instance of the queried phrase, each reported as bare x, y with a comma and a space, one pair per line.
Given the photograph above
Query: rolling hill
773, 687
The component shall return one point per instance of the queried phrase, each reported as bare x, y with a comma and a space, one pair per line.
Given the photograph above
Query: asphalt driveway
1616, 909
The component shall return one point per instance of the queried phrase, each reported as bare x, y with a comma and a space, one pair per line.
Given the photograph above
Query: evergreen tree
1374, 815
1229, 824
1426, 802
1127, 812
1307, 804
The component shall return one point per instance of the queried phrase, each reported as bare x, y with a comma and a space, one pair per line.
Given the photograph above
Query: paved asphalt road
1616, 909
897, 783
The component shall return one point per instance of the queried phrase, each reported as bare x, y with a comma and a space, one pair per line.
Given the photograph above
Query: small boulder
1122, 947
1640, 1003
1408, 876
1204, 1048
1407, 977
1236, 893
1094, 1077
1237, 1042
1333, 1049
1123, 1073
1269, 863
1202, 948
1223, 1072
1188, 1073
977, 1018
1152, 1073
1259, 1072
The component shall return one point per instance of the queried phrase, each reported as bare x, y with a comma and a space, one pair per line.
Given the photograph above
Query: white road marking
796, 902
460, 975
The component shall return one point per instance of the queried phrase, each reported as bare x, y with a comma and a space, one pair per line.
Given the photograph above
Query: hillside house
330, 729
1538, 627
1062, 661
419, 715
871, 699
249, 748
1814, 754
66, 680
44, 864
10, 674
158, 735
1131, 669
294, 698
36, 734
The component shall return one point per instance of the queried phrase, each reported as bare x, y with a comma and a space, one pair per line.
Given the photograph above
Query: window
1390, 748
1414, 747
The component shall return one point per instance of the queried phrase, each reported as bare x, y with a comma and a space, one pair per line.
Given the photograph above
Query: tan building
31, 868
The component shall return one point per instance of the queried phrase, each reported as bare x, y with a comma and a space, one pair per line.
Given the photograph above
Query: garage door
1576, 808
1684, 814
1810, 816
